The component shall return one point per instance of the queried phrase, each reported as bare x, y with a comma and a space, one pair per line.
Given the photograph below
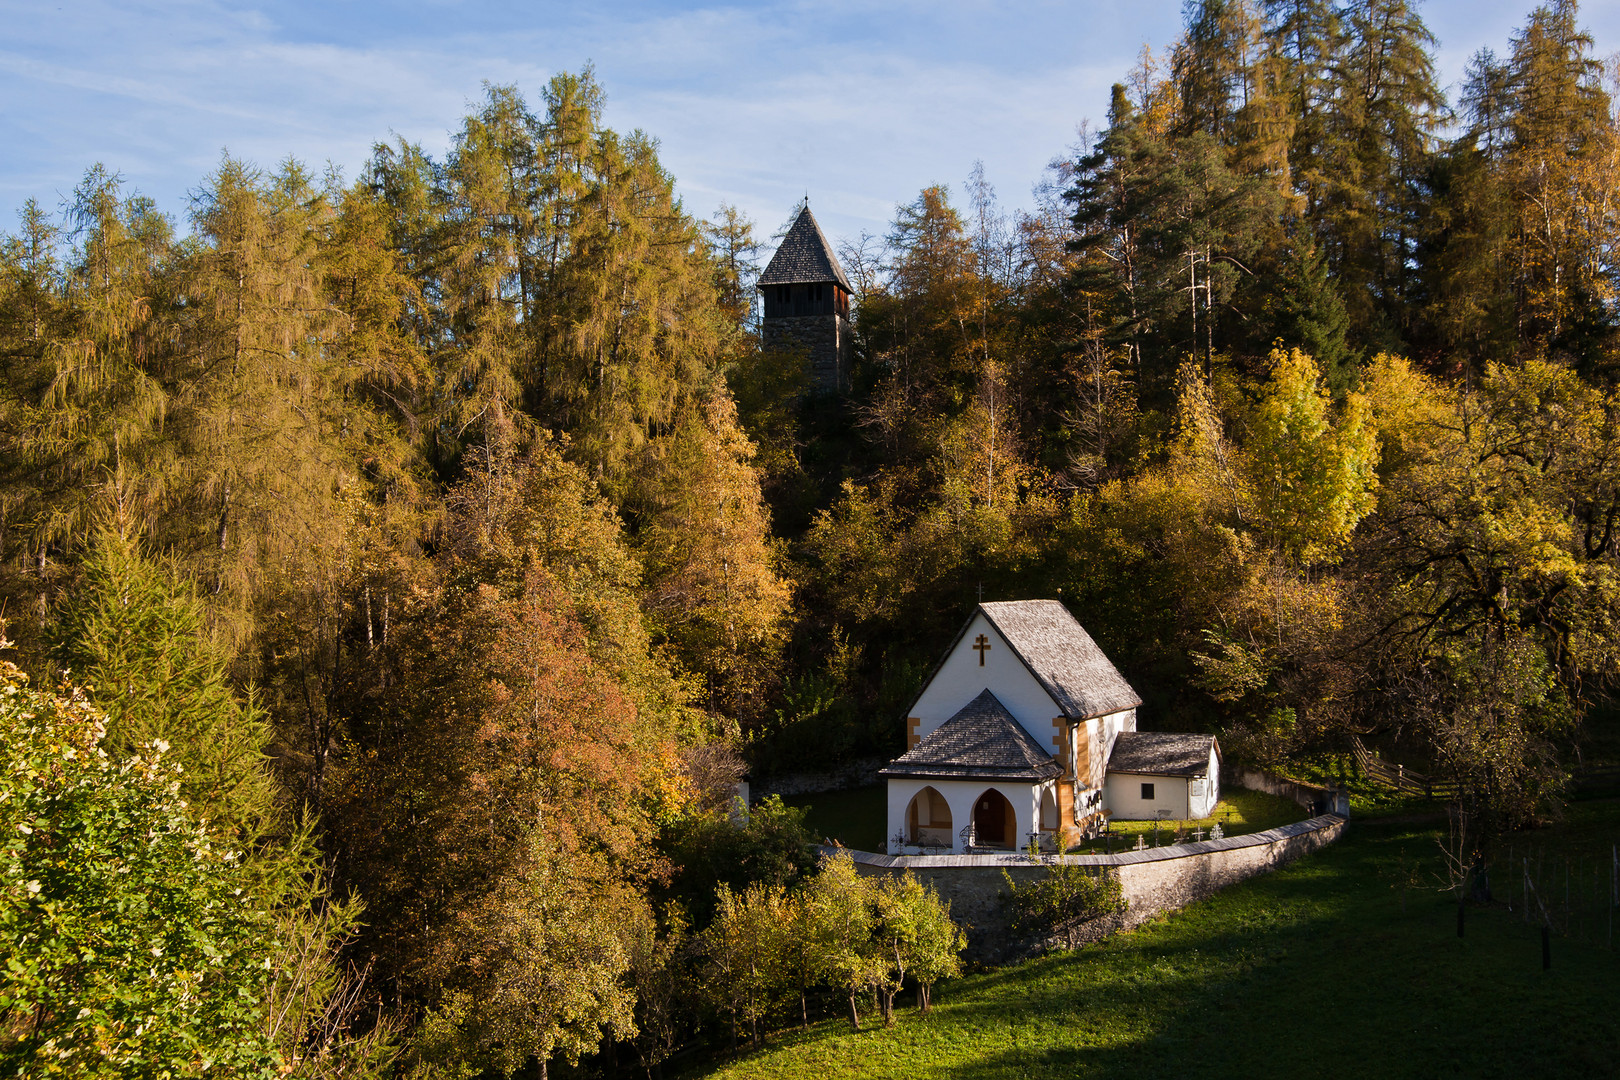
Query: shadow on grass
1314, 969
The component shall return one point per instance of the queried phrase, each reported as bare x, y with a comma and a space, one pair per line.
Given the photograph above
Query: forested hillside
453, 533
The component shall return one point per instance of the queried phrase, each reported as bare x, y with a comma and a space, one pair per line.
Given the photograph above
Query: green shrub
772, 847
131, 941
1063, 900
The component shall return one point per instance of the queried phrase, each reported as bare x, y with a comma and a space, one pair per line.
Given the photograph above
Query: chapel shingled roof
1161, 753
805, 256
1062, 657
982, 741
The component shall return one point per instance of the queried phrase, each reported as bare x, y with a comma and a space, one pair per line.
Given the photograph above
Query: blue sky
860, 105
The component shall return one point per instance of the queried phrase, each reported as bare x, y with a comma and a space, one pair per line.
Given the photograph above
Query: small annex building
1015, 734
1163, 774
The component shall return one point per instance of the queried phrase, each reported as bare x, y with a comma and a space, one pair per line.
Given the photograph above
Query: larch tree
86, 405
1559, 165
1380, 131
712, 587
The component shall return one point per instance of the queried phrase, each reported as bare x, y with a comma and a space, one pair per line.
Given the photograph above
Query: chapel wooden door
990, 819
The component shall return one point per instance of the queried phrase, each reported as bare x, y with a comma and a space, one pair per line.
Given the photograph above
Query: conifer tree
84, 411
1559, 166
1306, 39
1215, 66
1376, 143
712, 585
137, 640
1314, 319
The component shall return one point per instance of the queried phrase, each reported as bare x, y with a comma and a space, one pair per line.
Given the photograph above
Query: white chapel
1026, 730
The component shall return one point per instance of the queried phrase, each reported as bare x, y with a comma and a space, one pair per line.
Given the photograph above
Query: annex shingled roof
805, 256
982, 741
1161, 753
1061, 655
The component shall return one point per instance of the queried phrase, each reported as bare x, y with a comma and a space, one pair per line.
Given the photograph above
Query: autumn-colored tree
1312, 478
712, 584
744, 948
840, 904
1496, 519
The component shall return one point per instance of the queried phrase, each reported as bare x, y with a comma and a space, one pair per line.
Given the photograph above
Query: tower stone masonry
806, 303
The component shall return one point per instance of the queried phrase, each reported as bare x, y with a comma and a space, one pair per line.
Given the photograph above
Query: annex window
1147, 791
815, 293
784, 294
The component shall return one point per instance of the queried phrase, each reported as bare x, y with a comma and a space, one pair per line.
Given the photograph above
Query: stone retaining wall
1153, 881
1318, 800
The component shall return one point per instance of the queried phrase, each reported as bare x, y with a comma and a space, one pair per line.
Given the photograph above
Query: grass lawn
1239, 811
1328, 967
854, 818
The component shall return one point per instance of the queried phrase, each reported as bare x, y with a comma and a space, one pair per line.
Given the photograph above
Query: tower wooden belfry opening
806, 303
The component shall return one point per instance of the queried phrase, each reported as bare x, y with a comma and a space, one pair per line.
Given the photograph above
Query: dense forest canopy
452, 527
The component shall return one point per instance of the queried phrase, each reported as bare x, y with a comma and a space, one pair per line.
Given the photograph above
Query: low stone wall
1152, 881
1318, 800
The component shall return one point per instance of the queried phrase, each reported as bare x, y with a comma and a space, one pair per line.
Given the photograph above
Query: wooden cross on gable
981, 643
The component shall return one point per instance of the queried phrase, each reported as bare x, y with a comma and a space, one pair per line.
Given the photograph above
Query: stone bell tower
807, 303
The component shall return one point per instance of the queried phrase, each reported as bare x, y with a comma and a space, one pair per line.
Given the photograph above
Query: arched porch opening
1049, 811
995, 824
928, 819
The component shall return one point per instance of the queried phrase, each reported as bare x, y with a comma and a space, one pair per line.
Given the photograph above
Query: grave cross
981, 643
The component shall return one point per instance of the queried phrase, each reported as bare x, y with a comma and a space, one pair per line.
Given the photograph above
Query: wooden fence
1399, 778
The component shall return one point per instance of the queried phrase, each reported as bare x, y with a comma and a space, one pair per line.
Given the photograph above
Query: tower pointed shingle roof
805, 256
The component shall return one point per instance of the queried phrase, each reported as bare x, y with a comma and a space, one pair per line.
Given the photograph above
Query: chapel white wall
960, 679
960, 796
1100, 733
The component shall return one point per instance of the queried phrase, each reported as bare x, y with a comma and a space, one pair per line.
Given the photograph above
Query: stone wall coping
1125, 858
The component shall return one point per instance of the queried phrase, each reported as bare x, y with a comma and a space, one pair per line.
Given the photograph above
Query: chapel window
1147, 791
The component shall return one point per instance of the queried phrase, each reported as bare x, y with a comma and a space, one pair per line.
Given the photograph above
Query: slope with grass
1346, 962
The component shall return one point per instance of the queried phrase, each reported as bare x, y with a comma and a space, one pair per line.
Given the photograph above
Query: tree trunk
804, 1010
854, 1017
1479, 884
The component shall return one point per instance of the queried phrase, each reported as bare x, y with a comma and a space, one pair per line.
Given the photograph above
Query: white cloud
858, 104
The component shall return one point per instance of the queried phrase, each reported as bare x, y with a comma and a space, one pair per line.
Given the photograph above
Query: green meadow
1344, 964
